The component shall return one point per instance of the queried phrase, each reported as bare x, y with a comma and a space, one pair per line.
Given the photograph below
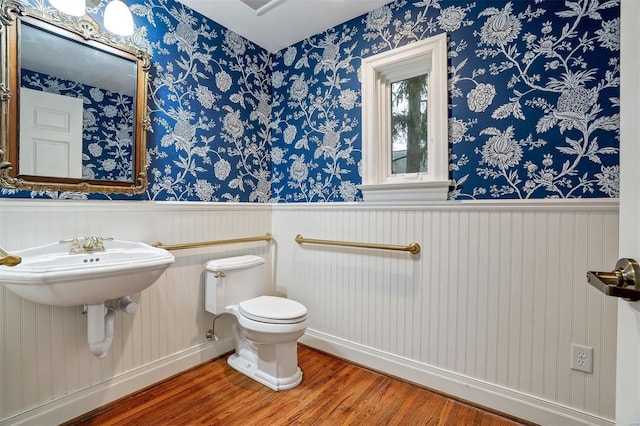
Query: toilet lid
271, 309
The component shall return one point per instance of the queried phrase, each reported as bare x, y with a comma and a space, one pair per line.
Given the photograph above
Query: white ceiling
276, 24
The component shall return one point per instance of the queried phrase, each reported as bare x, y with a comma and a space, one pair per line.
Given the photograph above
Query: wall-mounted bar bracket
7, 259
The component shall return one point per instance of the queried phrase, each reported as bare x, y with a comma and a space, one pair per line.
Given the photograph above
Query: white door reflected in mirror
50, 134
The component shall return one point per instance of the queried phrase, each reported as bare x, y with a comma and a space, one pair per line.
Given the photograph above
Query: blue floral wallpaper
210, 107
107, 125
534, 102
534, 99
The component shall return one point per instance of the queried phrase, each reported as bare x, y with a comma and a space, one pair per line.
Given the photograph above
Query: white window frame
428, 56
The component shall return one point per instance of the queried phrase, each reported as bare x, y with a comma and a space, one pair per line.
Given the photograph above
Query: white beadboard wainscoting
487, 311
47, 374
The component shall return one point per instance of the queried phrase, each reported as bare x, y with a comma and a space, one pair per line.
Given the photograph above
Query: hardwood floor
333, 392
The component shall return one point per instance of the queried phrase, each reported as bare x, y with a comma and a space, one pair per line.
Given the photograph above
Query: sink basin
50, 275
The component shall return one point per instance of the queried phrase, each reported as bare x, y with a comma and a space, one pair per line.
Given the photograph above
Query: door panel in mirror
50, 134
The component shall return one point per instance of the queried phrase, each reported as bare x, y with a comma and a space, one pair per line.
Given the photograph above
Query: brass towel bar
9, 259
265, 237
413, 248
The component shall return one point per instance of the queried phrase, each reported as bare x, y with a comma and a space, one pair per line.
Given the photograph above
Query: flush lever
623, 282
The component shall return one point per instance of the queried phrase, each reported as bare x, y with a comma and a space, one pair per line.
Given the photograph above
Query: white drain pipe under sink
100, 319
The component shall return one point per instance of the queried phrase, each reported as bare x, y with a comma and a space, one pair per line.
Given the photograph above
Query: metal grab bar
265, 237
413, 248
9, 259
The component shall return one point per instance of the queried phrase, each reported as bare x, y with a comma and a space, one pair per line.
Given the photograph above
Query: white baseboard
85, 400
466, 388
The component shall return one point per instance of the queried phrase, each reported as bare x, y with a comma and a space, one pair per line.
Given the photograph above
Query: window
404, 123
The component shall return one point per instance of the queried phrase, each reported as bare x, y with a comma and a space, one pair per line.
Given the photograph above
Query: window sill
405, 192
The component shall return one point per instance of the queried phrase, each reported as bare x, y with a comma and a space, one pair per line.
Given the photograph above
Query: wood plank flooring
333, 392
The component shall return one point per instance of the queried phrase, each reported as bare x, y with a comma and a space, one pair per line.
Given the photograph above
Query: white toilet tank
231, 280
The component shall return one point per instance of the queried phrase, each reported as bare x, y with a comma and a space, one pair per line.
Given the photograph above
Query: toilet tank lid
231, 263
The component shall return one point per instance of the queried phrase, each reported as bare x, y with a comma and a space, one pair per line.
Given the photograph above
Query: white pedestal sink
50, 275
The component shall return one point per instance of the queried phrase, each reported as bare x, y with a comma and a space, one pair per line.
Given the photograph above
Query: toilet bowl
266, 329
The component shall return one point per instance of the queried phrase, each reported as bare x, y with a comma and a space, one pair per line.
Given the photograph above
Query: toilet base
250, 369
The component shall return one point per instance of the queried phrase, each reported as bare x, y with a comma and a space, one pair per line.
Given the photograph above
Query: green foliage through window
409, 125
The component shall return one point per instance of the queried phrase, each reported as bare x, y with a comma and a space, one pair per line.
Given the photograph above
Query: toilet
267, 327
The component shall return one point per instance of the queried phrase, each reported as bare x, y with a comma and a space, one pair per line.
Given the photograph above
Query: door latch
622, 282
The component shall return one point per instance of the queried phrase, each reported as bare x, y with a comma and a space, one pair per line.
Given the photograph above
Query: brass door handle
623, 282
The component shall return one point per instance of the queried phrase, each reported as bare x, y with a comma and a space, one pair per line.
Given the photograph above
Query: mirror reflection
76, 116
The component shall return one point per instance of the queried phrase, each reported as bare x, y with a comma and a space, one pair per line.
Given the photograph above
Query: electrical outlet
582, 358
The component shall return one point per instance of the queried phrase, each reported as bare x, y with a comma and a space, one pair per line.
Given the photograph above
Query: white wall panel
497, 295
44, 355
494, 300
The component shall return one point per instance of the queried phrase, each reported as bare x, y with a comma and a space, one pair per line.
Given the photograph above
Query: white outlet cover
582, 358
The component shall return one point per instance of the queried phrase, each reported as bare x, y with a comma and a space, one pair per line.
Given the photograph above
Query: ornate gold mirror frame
87, 31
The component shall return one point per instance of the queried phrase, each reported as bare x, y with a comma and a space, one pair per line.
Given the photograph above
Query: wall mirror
73, 105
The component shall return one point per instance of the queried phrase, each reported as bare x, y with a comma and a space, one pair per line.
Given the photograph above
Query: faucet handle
100, 242
75, 245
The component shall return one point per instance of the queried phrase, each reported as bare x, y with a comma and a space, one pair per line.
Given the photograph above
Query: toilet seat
273, 310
